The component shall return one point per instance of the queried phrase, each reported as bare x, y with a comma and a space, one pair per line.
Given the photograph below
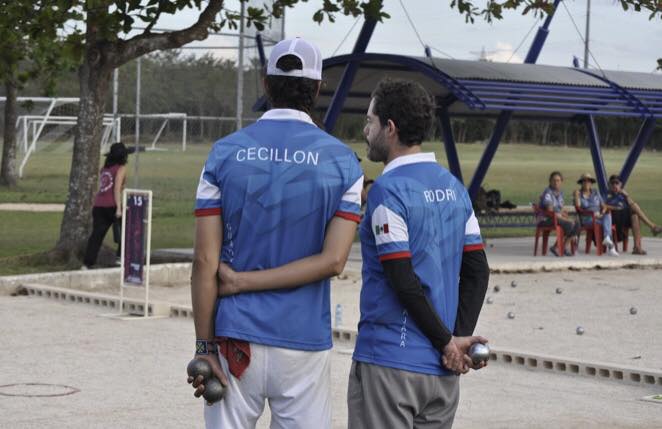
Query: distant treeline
173, 81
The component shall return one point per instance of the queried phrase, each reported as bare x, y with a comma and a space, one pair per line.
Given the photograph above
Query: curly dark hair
408, 105
298, 93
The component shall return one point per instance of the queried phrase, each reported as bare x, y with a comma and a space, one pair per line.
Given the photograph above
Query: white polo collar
286, 115
410, 159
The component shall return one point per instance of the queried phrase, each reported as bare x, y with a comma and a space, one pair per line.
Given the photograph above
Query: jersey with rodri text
417, 210
276, 185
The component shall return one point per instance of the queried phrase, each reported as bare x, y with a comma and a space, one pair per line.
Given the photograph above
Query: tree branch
127, 50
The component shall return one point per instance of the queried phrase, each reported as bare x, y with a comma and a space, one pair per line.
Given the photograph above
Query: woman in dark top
107, 210
626, 213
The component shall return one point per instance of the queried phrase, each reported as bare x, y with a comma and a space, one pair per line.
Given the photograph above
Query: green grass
519, 171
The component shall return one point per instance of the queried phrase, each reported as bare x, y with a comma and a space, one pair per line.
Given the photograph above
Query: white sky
619, 40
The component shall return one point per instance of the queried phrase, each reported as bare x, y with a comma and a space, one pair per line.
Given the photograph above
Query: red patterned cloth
236, 352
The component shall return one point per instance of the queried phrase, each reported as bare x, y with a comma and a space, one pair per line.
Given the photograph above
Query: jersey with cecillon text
277, 184
419, 210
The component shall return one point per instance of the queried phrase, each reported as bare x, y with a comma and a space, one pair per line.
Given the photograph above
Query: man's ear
391, 129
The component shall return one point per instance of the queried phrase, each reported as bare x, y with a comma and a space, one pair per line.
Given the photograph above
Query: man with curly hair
425, 274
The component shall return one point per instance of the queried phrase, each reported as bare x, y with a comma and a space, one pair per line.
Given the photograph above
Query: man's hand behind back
217, 372
456, 354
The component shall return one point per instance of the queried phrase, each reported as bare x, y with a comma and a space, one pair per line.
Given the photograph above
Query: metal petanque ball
214, 390
580, 330
633, 310
489, 300
199, 367
559, 290
511, 315
497, 288
513, 284
479, 353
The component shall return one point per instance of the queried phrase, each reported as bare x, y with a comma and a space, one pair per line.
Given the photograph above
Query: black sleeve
407, 286
474, 277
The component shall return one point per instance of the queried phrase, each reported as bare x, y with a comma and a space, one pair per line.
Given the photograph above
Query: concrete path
132, 374
31, 207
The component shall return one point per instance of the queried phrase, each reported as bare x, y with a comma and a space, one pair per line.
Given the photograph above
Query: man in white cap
279, 195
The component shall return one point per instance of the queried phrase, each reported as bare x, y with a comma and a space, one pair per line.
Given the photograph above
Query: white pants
296, 383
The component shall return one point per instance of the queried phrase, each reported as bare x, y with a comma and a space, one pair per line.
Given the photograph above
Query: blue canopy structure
499, 90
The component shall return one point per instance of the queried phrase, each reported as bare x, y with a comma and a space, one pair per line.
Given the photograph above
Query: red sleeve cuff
214, 211
349, 216
474, 247
396, 255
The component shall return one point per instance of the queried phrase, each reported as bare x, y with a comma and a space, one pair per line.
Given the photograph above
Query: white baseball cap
309, 54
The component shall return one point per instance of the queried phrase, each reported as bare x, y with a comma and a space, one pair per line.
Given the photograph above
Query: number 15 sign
136, 240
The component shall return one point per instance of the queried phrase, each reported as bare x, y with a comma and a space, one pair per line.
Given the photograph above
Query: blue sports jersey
419, 210
593, 202
617, 200
277, 184
550, 200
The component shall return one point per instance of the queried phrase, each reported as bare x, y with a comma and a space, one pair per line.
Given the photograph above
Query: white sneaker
607, 242
612, 251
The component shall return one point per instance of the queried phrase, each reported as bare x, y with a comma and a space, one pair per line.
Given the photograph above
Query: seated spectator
626, 213
552, 200
588, 199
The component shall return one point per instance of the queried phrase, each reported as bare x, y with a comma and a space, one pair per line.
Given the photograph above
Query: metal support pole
345, 84
240, 69
504, 116
136, 181
282, 26
596, 155
490, 150
115, 98
184, 126
587, 34
643, 137
449, 144
260, 50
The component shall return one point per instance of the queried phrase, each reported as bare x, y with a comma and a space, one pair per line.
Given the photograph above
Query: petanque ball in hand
214, 390
199, 367
479, 353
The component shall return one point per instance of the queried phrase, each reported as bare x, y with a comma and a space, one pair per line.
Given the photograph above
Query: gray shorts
382, 397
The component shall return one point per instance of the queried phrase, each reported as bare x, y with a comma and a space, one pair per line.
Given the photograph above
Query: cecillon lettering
439, 195
277, 155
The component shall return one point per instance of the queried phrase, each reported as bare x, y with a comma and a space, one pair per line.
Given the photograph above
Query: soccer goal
158, 128
49, 122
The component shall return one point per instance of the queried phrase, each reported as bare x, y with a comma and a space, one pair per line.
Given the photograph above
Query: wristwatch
205, 347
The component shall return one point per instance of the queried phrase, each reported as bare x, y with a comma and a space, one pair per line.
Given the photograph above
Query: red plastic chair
593, 231
545, 230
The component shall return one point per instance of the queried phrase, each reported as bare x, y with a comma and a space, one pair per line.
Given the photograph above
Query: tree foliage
30, 46
31, 43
